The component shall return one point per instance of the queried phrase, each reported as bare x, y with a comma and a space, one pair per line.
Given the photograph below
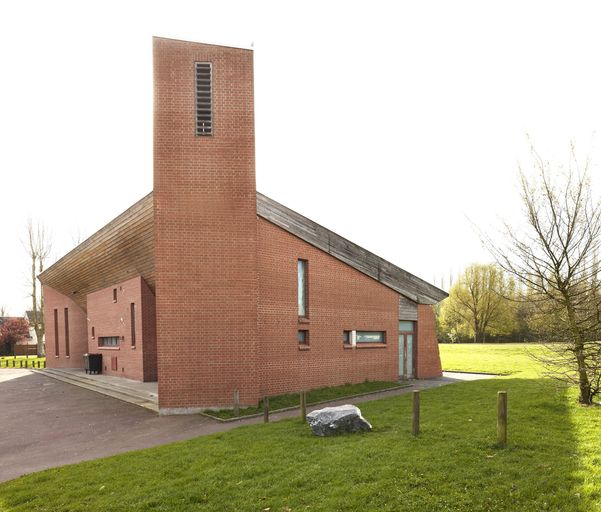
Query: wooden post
236, 402
502, 418
415, 422
266, 409
303, 406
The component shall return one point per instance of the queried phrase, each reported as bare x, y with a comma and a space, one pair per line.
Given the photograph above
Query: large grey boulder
337, 420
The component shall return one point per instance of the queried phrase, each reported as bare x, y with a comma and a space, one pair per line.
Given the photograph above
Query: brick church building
207, 286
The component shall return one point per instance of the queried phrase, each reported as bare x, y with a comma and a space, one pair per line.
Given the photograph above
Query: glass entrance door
406, 351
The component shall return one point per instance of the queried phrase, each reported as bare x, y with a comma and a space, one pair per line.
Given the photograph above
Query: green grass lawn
497, 358
314, 396
7, 362
552, 463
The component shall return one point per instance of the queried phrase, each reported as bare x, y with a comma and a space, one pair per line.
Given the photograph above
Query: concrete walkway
49, 423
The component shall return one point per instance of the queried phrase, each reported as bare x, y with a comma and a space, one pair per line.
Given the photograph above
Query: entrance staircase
143, 394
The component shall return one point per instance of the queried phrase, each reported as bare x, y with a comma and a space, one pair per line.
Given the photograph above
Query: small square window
346, 337
303, 337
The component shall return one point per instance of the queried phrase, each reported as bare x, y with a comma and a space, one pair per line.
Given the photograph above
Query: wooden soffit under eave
121, 250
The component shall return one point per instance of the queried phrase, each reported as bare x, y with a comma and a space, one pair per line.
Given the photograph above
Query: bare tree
38, 246
555, 257
3, 311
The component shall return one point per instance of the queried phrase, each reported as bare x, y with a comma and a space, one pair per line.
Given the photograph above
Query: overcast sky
391, 123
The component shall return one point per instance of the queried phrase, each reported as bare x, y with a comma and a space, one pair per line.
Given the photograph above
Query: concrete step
119, 393
113, 384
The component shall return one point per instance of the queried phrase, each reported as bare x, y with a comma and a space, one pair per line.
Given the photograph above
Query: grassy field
552, 463
499, 358
314, 396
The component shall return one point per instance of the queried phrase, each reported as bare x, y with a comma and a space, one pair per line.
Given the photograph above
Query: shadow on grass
453, 465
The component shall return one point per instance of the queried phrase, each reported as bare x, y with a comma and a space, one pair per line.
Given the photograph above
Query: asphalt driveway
47, 423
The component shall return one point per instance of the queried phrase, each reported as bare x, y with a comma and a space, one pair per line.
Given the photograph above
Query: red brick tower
205, 225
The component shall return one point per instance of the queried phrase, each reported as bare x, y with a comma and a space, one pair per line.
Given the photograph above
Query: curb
293, 407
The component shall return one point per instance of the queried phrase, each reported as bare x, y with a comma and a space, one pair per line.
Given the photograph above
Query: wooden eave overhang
124, 248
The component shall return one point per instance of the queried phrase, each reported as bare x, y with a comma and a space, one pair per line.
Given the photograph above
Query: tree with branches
38, 246
555, 257
477, 305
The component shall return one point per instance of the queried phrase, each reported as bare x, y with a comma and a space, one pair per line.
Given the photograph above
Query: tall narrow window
302, 288
56, 350
132, 320
114, 294
204, 98
67, 352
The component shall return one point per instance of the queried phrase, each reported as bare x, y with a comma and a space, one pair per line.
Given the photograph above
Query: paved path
48, 423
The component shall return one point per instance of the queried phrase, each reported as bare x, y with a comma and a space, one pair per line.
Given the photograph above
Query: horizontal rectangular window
371, 337
108, 341
303, 337
346, 337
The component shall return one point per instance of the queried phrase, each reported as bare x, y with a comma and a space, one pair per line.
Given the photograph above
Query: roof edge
248, 48
385, 272
88, 241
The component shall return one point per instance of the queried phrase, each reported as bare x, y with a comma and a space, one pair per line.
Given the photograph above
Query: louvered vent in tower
204, 99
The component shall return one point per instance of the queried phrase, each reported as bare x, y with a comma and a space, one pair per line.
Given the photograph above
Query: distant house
33, 338
210, 287
32, 335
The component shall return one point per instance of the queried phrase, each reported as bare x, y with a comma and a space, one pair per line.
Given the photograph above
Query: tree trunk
586, 395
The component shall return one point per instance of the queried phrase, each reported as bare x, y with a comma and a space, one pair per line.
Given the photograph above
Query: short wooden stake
502, 418
303, 406
236, 402
266, 409
415, 422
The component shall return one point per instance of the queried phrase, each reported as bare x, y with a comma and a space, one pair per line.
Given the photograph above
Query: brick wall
113, 318
78, 342
205, 229
428, 356
339, 298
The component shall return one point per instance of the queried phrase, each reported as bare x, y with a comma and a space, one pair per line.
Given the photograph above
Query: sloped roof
350, 253
124, 248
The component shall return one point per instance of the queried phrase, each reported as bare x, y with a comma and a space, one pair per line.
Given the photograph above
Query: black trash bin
93, 363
